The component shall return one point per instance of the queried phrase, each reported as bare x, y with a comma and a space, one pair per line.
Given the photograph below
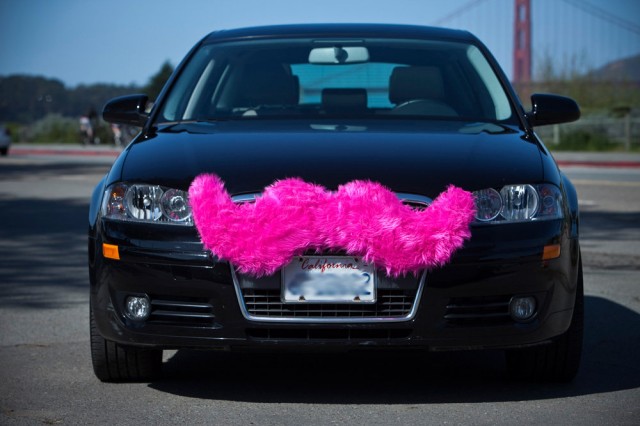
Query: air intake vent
187, 312
478, 311
327, 334
267, 303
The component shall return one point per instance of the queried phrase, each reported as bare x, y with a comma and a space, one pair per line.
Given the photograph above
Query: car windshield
315, 78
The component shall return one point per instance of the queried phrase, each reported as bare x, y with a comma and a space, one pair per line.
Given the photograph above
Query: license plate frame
329, 279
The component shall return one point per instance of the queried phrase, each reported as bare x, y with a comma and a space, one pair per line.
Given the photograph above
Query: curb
611, 164
14, 150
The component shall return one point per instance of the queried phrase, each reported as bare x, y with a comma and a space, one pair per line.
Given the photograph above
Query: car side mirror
131, 110
552, 109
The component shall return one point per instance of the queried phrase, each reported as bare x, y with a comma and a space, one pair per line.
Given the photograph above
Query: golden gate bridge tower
522, 42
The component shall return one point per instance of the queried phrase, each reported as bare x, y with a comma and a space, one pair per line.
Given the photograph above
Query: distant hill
623, 70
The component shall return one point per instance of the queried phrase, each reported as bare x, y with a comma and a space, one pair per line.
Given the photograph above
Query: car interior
284, 83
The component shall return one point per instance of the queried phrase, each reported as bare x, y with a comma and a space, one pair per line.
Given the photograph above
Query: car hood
409, 157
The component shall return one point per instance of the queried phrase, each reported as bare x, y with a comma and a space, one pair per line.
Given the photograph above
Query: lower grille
480, 311
327, 334
268, 304
185, 312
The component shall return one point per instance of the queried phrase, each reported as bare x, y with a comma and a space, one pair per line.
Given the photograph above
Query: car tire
113, 362
558, 361
4, 151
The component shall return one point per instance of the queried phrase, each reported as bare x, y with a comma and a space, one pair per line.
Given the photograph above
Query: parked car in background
5, 140
336, 186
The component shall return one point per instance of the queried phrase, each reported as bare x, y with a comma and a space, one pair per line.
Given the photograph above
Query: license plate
328, 279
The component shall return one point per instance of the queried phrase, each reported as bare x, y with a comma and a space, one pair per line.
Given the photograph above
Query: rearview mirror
338, 55
129, 110
552, 109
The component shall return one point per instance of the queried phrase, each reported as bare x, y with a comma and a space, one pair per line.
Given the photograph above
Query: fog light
522, 308
138, 308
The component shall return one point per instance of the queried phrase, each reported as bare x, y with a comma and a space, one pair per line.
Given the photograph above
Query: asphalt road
45, 367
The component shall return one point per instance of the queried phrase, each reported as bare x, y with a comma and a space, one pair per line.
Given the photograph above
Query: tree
157, 81
594, 90
25, 98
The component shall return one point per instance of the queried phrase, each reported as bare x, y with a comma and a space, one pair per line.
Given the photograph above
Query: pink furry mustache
362, 218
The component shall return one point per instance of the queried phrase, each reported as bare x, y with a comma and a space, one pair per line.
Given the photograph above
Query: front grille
188, 312
478, 311
416, 202
327, 334
268, 304
415, 205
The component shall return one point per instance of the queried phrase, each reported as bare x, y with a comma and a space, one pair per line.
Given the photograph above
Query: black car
336, 186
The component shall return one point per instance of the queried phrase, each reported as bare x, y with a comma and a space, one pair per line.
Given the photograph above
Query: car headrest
344, 99
269, 85
408, 83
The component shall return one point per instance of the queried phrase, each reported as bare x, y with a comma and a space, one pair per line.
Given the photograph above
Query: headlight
146, 203
518, 203
488, 204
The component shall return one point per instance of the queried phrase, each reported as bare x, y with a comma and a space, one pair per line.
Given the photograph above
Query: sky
126, 41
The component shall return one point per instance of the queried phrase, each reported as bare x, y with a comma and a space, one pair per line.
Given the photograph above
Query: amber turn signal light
551, 252
110, 251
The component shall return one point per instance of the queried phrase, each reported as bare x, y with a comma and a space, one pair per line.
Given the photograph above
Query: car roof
342, 30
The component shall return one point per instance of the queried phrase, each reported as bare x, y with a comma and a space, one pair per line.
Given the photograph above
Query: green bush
581, 140
54, 128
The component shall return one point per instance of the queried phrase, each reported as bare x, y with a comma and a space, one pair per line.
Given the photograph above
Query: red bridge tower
522, 42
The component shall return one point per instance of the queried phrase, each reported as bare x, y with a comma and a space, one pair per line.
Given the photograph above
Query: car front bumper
199, 302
